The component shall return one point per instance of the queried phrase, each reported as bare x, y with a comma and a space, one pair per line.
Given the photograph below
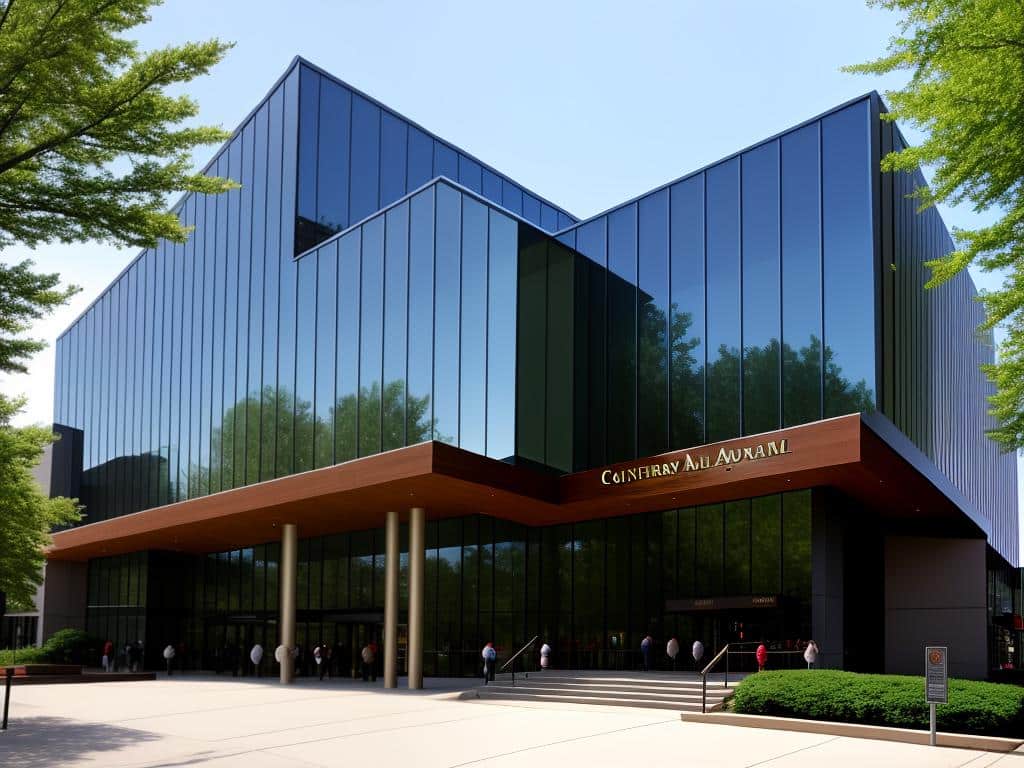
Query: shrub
10, 657
990, 709
68, 646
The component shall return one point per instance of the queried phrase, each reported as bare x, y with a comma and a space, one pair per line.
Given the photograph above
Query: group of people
127, 658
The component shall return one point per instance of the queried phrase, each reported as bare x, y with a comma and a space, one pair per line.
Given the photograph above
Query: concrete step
488, 694
619, 685
613, 693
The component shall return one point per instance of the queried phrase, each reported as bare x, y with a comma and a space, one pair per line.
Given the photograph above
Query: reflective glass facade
594, 589
369, 287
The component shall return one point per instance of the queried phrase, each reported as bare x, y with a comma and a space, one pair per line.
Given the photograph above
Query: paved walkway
225, 722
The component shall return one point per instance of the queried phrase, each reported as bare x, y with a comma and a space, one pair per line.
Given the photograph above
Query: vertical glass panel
531, 345
589, 588
563, 220
762, 316
737, 547
687, 538
333, 161
849, 274
531, 209
473, 347
271, 407
501, 336
365, 180
686, 327
306, 235
236, 298
622, 257
371, 336
446, 161
548, 217
490, 186
396, 297
257, 308
652, 315
801, 277
469, 173
709, 550
447, 270
346, 407
796, 544
305, 361
723, 292
419, 407
421, 158
592, 395
766, 545
392, 158
558, 427
219, 336
511, 197
326, 347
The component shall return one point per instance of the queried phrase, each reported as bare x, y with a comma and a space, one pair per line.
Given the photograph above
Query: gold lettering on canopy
726, 457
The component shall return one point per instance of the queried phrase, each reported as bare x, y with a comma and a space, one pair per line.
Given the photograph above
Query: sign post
936, 682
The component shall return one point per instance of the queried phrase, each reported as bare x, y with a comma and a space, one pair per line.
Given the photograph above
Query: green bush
68, 646
990, 709
10, 657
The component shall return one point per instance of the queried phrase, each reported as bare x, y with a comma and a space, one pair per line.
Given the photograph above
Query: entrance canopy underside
863, 456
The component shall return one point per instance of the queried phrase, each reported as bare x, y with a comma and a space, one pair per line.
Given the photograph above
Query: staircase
680, 692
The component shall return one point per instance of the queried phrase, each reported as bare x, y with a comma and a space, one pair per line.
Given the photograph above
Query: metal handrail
704, 676
516, 655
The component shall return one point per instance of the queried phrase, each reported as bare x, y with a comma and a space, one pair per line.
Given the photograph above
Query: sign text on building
690, 463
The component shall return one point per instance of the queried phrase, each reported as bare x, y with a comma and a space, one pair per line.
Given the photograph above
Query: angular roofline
702, 169
435, 181
323, 72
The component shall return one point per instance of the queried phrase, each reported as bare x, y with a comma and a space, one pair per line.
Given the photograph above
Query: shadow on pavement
43, 742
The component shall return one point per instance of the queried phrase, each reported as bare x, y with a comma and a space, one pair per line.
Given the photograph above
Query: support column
417, 562
289, 568
391, 563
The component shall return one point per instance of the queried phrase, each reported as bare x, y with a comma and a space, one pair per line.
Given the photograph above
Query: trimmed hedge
65, 646
30, 655
990, 709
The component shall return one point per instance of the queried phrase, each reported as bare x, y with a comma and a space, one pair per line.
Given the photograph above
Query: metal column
391, 563
289, 567
417, 562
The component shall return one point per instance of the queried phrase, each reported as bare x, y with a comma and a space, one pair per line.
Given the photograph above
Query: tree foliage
28, 515
966, 92
90, 142
25, 296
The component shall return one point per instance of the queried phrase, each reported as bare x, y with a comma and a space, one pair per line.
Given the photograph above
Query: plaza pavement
222, 721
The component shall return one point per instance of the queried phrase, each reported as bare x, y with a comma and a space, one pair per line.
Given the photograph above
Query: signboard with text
936, 674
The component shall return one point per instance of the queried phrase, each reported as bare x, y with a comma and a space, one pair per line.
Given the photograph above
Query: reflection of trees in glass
802, 380
310, 437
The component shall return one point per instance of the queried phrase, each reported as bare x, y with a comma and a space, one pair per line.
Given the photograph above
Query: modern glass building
726, 410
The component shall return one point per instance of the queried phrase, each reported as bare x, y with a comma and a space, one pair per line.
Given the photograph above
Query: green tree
28, 515
91, 145
966, 91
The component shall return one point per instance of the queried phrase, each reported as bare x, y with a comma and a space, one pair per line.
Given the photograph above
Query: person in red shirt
108, 656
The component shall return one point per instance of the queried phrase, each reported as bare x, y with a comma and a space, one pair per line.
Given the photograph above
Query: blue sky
586, 103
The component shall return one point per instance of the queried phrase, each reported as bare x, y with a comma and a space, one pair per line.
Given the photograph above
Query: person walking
319, 659
256, 657
369, 657
169, 657
108, 656
328, 655
489, 655
545, 656
645, 651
